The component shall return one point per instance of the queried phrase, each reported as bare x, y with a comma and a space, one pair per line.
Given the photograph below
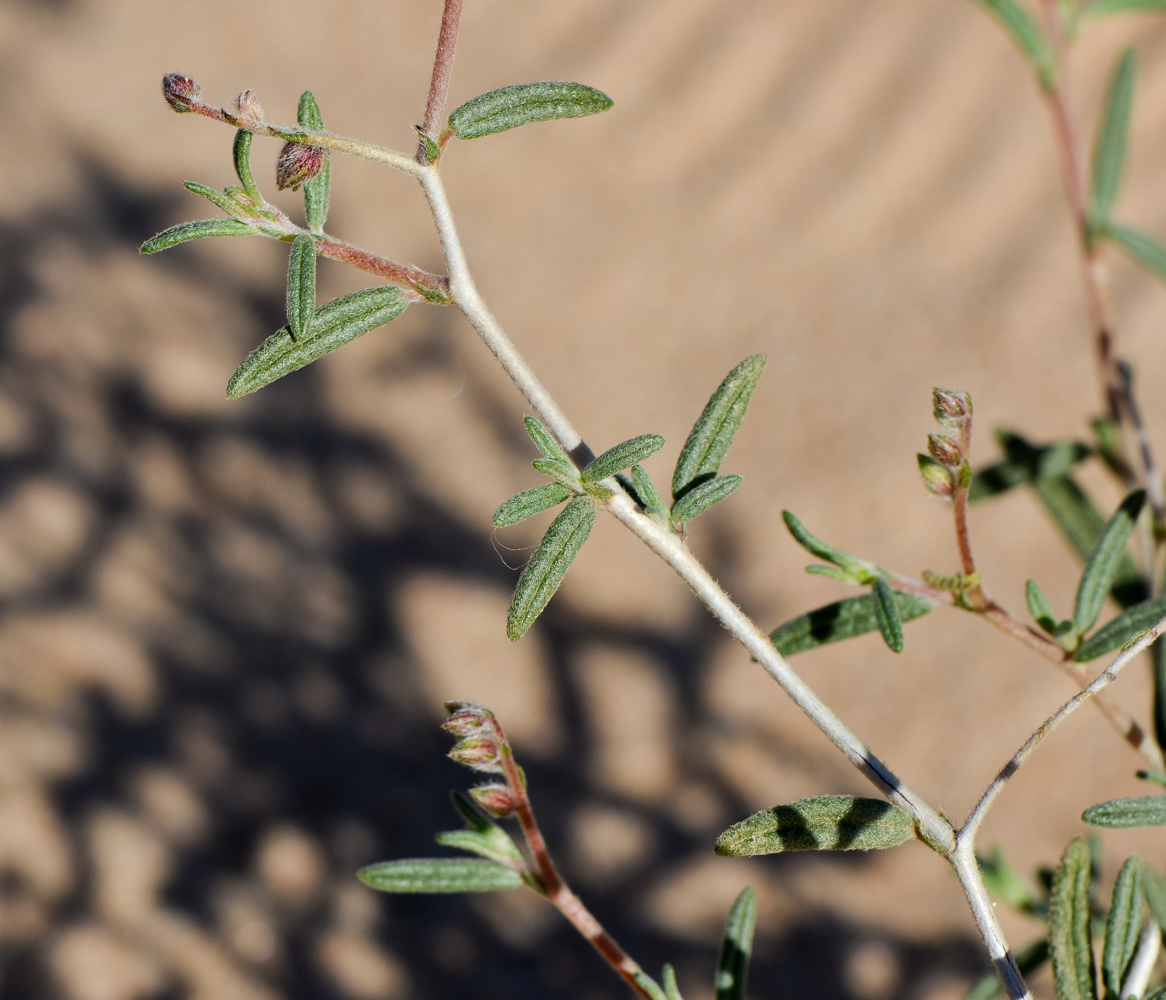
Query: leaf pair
822, 823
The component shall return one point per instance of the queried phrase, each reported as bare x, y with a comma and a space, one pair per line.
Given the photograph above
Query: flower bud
951, 405
936, 477
247, 106
497, 800
944, 450
478, 752
464, 722
181, 92
297, 164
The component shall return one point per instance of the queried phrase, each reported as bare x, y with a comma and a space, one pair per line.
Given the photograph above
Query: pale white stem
1142, 967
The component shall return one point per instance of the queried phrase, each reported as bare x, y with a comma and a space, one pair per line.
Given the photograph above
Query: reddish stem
442, 68
400, 274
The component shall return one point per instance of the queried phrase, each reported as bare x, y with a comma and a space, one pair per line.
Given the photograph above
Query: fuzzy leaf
1120, 814
1069, 939
859, 569
845, 619
1105, 560
1028, 960
1109, 152
1154, 887
317, 190
1027, 36
736, 947
493, 844
530, 502
242, 153
1024, 463
1124, 627
650, 986
671, 989
622, 456
186, 231
523, 103
702, 496
1142, 247
1104, 8
822, 823
1123, 925
301, 286
1038, 607
644, 492
439, 875
549, 564
334, 325
886, 608
713, 433
224, 201
545, 443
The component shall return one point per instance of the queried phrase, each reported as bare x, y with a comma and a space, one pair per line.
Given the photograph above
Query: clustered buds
952, 406
247, 106
181, 92
297, 164
945, 450
480, 745
497, 800
936, 477
946, 467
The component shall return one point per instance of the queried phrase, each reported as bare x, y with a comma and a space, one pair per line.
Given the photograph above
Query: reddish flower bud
935, 477
464, 722
297, 164
944, 450
497, 800
247, 106
181, 92
478, 752
951, 405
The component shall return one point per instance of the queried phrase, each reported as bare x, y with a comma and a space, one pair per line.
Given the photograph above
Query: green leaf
432, 149
242, 153
1120, 814
671, 989
560, 473
1024, 463
702, 496
439, 875
1069, 939
1028, 38
1109, 152
1038, 607
622, 456
713, 433
523, 103
549, 564
334, 325
493, 844
301, 286
1123, 925
736, 947
1104, 8
546, 444
822, 823
530, 502
317, 190
1154, 887
186, 231
833, 572
860, 570
886, 608
845, 619
650, 986
1006, 883
1104, 561
644, 492
1028, 960
224, 201
1142, 247
1124, 627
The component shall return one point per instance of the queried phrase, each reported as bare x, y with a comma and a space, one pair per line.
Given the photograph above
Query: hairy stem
1145, 958
451, 17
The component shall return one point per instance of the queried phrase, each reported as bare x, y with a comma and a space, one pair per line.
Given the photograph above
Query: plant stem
1145, 958
451, 17
400, 274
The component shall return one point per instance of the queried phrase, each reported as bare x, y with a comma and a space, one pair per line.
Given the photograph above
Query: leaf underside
1069, 938
822, 823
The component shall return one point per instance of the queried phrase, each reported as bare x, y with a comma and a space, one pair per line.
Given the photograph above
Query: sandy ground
226, 628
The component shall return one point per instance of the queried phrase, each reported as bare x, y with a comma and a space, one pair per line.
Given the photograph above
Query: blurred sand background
226, 629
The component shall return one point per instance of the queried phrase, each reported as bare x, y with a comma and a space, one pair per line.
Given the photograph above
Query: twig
1145, 958
451, 17
400, 274
1129, 404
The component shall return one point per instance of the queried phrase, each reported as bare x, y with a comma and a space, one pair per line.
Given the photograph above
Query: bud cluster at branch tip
945, 450
497, 800
952, 406
181, 92
481, 745
297, 164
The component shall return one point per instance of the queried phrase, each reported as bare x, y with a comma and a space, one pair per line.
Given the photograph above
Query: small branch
399, 274
451, 17
967, 833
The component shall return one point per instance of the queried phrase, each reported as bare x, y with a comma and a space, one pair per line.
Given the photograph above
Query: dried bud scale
181, 92
297, 164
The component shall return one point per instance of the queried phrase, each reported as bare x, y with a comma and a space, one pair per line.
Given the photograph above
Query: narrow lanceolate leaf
1024, 463
242, 153
440, 875
492, 844
225, 202
671, 989
1038, 607
845, 619
1028, 960
1104, 8
822, 823
317, 190
301, 286
887, 615
523, 103
650, 986
1123, 925
622, 456
702, 496
1109, 152
545, 443
1154, 886
1119, 814
644, 492
713, 433
1126, 626
1142, 247
549, 564
187, 231
1104, 561
859, 569
1069, 940
334, 325
736, 947
530, 502
1027, 36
